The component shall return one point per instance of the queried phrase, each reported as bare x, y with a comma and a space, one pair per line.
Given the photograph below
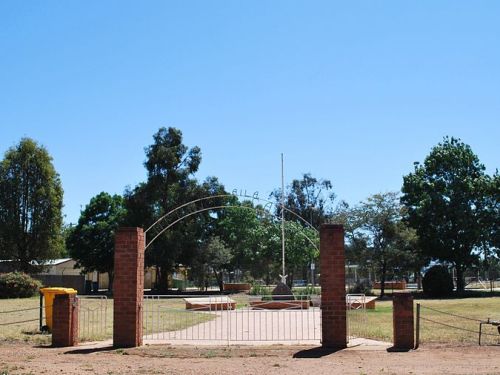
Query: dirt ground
20, 358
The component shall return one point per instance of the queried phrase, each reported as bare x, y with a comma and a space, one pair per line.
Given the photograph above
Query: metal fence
232, 319
356, 315
95, 318
453, 327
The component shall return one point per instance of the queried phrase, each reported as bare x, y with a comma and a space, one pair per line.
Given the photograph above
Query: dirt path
165, 359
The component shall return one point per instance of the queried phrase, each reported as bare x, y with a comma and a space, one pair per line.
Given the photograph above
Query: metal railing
221, 318
356, 315
93, 318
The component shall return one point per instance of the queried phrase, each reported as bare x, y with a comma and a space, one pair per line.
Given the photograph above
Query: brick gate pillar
65, 320
333, 305
128, 287
402, 317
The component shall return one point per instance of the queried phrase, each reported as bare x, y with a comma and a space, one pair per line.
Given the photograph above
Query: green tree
310, 198
30, 205
171, 167
390, 242
378, 239
445, 200
215, 257
91, 241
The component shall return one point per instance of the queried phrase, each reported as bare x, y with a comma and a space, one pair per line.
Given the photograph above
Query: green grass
171, 315
27, 331
95, 319
433, 329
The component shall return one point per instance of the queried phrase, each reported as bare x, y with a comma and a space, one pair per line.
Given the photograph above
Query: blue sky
352, 91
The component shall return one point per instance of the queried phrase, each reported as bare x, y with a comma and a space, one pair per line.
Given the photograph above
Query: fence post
403, 323
40, 315
65, 318
417, 328
333, 303
128, 287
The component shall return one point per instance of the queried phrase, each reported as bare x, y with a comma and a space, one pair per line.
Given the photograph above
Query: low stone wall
390, 285
237, 287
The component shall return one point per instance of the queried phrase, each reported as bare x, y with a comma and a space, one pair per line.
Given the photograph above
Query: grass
26, 331
95, 319
435, 326
170, 315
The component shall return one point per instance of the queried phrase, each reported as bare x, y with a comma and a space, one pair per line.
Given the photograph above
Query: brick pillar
402, 317
65, 320
128, 287
333, 306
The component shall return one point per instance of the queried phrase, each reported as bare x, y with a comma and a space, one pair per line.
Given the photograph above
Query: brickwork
128, 287
333, 305
65, 320
403, 321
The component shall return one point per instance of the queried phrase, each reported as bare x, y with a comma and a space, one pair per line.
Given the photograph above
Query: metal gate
232, 319
356, 315
95, 318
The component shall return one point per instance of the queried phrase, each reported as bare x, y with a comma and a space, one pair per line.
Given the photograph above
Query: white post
283, 275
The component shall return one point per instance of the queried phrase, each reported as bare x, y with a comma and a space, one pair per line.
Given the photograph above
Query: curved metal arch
216, 208
227, 196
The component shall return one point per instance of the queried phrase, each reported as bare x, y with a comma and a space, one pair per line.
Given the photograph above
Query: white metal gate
95, 318
356, 315
232, 319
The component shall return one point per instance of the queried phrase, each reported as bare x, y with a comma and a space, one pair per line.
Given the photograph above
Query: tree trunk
382, 280
111, 277
460, 279
220, 280
162, 281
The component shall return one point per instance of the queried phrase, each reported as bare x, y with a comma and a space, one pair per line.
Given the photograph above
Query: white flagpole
283, 275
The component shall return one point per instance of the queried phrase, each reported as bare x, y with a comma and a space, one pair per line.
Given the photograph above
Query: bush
361, 287
18, 285
437, 282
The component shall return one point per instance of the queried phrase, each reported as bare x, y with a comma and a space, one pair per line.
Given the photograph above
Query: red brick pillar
65, 320
402, 317
333, 307
128, 287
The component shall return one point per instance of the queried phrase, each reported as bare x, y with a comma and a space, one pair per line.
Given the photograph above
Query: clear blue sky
352, 91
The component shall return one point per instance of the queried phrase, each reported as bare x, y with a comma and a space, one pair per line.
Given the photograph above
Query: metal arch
227, 196
215, 208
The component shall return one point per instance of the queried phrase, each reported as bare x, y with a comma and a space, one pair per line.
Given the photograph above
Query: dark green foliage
18, 285
437, 282
377, 237
309, 199
91, 242
361, 287
31, 199
446, 198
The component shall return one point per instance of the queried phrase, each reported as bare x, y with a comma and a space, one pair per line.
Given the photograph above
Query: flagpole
283, 275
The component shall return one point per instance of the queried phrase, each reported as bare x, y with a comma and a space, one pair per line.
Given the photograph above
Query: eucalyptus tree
445, 199
310, 198
91, 241
171, 184
31, 199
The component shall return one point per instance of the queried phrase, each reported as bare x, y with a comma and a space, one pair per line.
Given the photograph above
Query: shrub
361, 287
437, 282
260, 290
18, 285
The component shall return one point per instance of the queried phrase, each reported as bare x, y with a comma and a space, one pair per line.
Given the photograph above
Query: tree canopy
31, 199
445, 199
91, 241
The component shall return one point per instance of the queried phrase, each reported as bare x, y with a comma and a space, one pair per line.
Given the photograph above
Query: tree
91, 242
444, 198
171, 166
390, 242
31, 199
215, 257
309, 198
